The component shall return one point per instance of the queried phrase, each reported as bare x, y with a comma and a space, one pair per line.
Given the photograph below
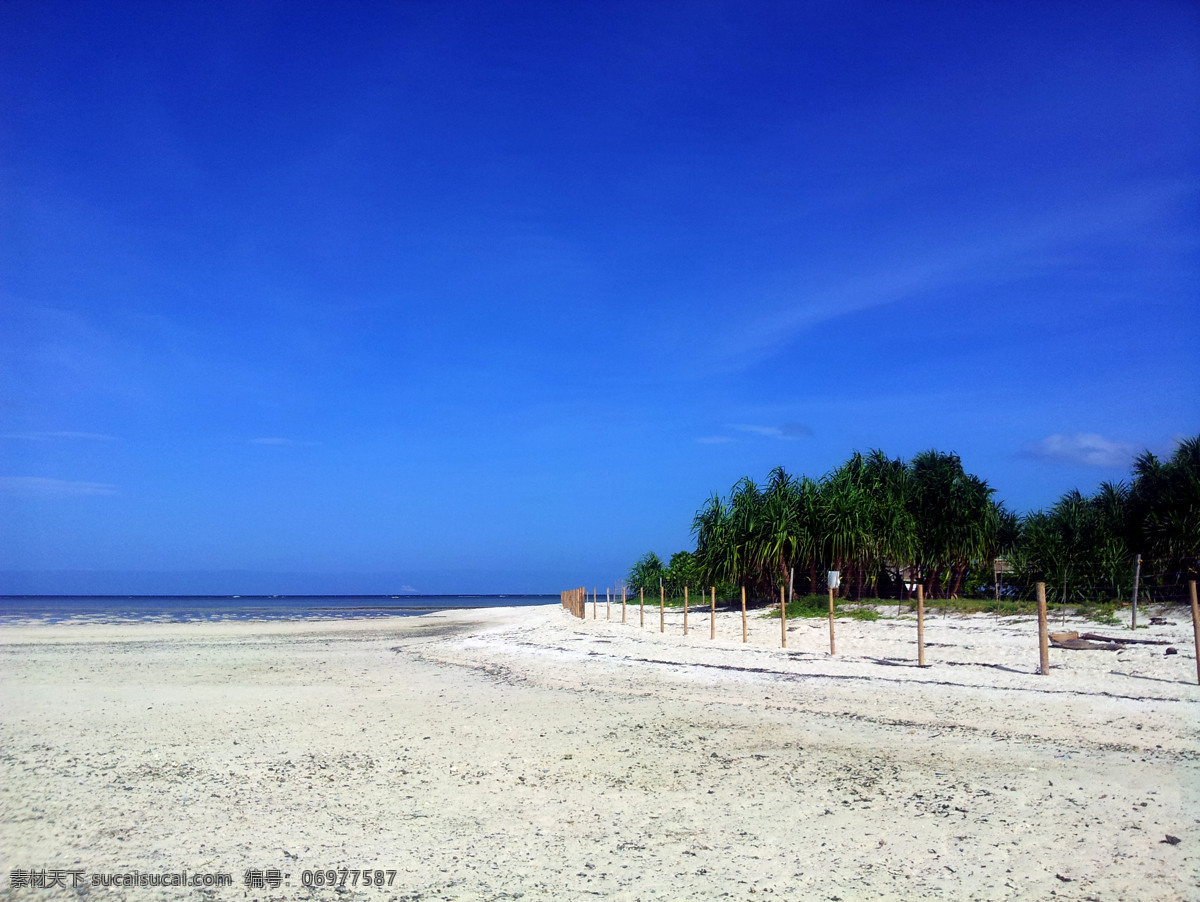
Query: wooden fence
574, 600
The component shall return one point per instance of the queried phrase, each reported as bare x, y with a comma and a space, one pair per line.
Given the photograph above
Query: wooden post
1043, 635
745, 637
1137, 576
622, 604
685, 602
1195, 625
642, 607
712, 632
782, 619
662, 609
832, 645
594, 590
920, 625
607, 604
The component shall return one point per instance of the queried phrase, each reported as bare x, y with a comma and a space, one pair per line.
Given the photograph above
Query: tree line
888, 525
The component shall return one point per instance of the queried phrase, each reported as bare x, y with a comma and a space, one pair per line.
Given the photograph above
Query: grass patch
818, 606
1102, 612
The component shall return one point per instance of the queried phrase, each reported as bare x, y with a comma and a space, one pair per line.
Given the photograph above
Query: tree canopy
889, 524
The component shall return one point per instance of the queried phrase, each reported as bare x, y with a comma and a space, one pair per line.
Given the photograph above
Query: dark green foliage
873, 516
1164, 503
884, 522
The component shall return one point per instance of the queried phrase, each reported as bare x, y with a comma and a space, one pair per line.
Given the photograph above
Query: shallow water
19, 609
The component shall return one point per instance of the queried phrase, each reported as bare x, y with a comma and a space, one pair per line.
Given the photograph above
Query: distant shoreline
32, 609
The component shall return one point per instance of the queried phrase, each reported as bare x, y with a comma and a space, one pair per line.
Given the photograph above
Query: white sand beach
521, 753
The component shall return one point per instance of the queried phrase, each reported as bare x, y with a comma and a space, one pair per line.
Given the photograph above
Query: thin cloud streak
50, 436
43, 487
1084, 449
953, 265
786, 431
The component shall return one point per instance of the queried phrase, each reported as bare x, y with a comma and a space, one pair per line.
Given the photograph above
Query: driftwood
1097, 642
1073, 640
1085, 644
1123, 641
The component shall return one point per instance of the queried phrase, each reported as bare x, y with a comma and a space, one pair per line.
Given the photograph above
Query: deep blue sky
491, 296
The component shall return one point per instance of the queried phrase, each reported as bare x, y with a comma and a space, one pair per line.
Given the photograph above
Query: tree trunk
959, 572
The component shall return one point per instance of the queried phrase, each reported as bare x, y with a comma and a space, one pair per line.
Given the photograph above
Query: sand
521, 753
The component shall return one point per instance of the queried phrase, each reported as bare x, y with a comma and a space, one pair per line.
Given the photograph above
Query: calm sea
192, 608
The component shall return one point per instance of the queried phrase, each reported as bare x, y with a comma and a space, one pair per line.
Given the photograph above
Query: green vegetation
888, 525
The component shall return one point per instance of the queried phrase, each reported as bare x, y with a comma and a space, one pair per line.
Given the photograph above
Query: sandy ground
521, 753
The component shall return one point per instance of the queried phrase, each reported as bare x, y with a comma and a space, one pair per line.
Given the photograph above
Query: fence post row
574, 600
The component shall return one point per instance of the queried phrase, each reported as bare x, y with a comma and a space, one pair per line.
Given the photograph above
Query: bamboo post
685, 606
622, 604
920, 626
1043, 636
744, 635
832, 644
642, 607
1195, 625
782, 619
1137, 577
712, 623
662, 609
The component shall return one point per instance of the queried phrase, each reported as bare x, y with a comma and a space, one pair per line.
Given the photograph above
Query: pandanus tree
1080, 547
892, 528
646, 572
1165, 510
876, 515
780, 537
955, 520
845, 513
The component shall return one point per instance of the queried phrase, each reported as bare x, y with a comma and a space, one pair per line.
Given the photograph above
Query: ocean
16, 609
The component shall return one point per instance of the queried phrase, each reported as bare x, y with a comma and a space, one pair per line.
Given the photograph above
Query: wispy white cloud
798, 304
51, 436
43, 487
279, 441
787, 430
1085, 449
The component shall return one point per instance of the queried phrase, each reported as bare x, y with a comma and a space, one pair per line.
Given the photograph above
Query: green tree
646, 572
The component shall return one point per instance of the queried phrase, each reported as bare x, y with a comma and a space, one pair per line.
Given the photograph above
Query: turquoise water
207, 608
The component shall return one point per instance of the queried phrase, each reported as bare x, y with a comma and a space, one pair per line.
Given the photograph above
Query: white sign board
833, 578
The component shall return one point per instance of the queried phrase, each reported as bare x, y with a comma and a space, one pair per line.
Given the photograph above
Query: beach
523, 753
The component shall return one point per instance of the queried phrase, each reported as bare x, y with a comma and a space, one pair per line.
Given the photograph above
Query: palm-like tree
875, 515
1165, 501
955, 518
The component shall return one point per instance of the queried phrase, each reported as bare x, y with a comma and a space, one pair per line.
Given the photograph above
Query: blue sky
492, 296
